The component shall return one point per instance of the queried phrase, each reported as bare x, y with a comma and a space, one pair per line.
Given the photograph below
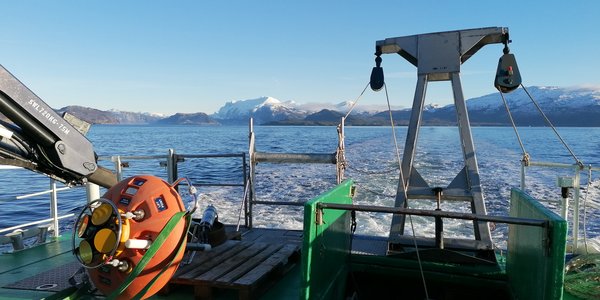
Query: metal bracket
319, 216
546, 242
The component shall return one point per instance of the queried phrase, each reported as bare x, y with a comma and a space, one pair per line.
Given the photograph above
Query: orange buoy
116, 231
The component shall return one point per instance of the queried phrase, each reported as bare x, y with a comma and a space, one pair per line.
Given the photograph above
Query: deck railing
42, 228
15, 235
571, 183
171, 162
337, 158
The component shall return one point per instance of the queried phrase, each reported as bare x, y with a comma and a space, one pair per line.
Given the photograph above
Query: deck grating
54, 280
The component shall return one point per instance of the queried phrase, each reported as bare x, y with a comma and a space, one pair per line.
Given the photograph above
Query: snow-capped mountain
263, 110
574, 106
269, 109
549, 98
243, 108
564, 106
345, 106
432, 107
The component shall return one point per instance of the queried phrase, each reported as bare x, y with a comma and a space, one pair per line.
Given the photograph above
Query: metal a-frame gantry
438, 57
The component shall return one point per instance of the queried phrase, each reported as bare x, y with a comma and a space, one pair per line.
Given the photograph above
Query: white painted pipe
137, 244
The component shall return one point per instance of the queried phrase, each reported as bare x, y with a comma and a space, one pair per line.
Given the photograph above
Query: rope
587, 192
582, 274
341, 163
553, 128
401, 174
512, 122
404, 190
340, 156
356, 101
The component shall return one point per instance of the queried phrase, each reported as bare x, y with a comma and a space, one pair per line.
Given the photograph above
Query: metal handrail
577, 169
16, 227
560, 165
35, 194
118, 159
171, 161
336, 158
133, 157
174, 158
435, 213
54, 216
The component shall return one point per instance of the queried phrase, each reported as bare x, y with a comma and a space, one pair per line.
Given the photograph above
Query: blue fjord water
371, 158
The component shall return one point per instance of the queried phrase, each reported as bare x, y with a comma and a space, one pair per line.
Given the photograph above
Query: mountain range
563, 106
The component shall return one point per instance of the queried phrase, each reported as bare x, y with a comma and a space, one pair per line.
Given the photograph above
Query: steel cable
356, 101
404, 188
512, 122
401, 176
552, 126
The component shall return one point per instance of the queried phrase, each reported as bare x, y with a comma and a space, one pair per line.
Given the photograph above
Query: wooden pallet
247, 267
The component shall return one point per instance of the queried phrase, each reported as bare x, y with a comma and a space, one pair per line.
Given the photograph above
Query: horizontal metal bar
34, 194
434, 213
278, 203
219, 184
133, 157
41, 193
552, 165
34, 223
561, 165
444, 197
318, 158
149, 157
223, 155
448, 195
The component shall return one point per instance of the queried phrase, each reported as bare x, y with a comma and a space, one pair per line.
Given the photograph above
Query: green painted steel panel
536, 258
325, 247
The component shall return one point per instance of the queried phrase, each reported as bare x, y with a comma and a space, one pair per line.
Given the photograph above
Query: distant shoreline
330, 125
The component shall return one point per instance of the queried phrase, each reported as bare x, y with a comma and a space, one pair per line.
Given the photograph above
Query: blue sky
193, 56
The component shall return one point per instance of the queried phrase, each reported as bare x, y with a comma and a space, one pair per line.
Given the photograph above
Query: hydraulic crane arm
43, 141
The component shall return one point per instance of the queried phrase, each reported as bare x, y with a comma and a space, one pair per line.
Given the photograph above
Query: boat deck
247, 267
22, 273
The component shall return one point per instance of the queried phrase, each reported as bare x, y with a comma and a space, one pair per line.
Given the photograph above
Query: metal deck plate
54, 280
